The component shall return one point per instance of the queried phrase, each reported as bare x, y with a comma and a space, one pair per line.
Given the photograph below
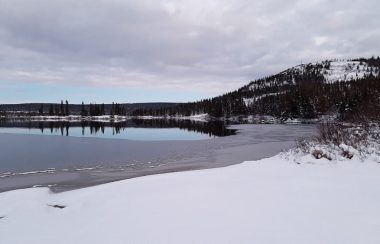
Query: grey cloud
190, 45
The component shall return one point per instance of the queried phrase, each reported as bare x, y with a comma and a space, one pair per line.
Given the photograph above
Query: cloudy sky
179, 50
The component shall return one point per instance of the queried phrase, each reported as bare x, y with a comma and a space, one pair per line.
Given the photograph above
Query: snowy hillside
306, 91
348, 70
334, 71
312, 90
331, 71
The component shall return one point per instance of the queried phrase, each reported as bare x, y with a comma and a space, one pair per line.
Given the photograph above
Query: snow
341, 142
249, 101
346, 71
342, 70
262, 119
332, 71
292, 121
273, 200
200, 117
204, 117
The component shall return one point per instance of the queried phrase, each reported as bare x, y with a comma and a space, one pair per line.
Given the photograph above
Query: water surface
69, 162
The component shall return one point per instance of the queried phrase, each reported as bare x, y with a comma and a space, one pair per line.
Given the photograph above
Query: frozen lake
67, 162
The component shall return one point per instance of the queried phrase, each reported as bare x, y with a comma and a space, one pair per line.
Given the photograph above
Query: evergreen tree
41, 110
56, 109
51, 110
62, 111
102, 110
113, 109
83, 112
67, 110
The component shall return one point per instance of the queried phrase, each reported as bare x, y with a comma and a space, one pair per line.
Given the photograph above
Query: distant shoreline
252, 119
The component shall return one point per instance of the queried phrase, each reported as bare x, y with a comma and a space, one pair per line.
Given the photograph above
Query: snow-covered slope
348, 70
267, 201
343, 70
249, 101
332, 71
328, 72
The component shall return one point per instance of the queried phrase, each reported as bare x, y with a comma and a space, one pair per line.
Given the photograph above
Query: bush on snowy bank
339, 142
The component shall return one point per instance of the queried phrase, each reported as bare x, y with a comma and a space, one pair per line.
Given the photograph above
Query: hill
345, 88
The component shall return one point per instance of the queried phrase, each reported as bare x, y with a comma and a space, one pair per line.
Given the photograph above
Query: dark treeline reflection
212, 128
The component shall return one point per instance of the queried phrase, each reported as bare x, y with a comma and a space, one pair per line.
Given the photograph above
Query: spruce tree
51, 110
102, 112
62, 111
83, 112
41, 110
67, 111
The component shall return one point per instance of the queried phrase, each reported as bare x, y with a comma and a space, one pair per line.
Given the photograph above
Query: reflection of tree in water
54, 126
212, 128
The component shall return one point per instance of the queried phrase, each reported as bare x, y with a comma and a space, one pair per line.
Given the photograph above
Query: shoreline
309, 202
251, 119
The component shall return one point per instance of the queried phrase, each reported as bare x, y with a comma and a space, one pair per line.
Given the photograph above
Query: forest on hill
348, 89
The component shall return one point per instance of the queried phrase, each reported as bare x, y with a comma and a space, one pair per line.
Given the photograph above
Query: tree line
92, 109
56, 110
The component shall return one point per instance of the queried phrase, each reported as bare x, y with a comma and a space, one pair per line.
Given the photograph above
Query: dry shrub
318, 154
342, 139
338, 133
347, 154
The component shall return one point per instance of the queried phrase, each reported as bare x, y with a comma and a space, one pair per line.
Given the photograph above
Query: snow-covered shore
273, 200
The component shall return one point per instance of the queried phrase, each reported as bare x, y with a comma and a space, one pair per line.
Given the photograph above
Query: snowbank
268, 201
339, 142
196, 117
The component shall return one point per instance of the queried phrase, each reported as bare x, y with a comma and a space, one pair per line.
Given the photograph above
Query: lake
68, 155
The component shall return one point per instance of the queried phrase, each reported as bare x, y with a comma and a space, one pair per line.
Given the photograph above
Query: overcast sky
182, 50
